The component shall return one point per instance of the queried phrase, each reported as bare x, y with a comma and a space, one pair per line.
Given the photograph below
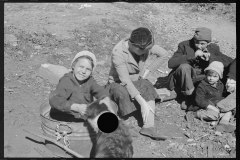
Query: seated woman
126, 83
76, 89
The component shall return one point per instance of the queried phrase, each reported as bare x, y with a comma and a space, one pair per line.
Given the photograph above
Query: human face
212, 77
82, 69
202, 45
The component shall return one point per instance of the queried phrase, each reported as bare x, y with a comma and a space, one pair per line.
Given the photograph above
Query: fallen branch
57, 143
201, 137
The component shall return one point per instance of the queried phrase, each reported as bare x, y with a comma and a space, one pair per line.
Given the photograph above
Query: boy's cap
216, 66
85, 53
141, 37
203, 34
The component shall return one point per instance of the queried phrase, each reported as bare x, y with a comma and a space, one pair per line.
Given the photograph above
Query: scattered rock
19, 52
11, 39
190, 140
52, 72
38, 47
231, 141
192, 144
218, 133
180, 147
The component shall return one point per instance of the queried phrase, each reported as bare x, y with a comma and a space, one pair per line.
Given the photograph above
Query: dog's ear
94, 109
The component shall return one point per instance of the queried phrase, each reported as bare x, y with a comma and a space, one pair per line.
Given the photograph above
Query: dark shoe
152, 134
187, 101
225, 128
190, 116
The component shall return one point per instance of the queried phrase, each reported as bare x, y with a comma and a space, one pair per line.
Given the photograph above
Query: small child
76, 89
208, 93
209, 97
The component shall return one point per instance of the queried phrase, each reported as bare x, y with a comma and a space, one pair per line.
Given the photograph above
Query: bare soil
38, 33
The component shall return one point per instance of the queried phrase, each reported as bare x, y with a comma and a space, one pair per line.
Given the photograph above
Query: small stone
190, 140
10, 38
227, 147
218, 133
14, 44
213, 123
192, 144
180, 147
202, 145
38, 47
211, 137
20, 52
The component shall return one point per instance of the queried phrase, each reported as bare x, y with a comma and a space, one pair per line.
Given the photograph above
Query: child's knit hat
203, 34
216, 66
85, 53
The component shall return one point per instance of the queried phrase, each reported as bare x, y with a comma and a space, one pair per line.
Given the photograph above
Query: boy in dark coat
209, 92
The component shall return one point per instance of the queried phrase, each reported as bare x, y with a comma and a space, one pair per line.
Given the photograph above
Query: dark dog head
117, 144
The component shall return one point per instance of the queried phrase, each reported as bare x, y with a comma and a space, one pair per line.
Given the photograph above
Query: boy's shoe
150, 132
225, 128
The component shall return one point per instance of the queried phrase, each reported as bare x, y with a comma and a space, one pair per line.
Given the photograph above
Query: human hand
199, 53
231, 85
145, 109
107, 102
80, 108
205, 56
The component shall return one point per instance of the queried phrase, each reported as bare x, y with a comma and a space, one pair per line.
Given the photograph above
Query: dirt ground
38, 33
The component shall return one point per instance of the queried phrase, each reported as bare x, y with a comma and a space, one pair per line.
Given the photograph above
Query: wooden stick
201, 137
57, 143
